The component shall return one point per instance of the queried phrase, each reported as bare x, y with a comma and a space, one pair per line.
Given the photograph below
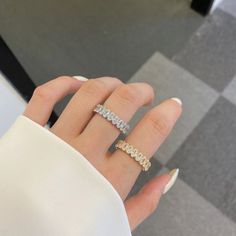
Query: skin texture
92, 135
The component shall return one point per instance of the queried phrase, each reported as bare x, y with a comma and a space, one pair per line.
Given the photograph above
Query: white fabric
49, 188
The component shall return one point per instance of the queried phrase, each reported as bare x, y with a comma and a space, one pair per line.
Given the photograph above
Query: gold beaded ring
134, 153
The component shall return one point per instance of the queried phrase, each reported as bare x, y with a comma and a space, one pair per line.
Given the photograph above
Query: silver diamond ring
112, 117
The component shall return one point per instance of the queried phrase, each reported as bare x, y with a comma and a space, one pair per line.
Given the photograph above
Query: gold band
134, 153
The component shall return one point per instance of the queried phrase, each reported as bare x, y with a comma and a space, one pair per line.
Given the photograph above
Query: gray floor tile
183, 212
211, 52
93, 38
171, 35
170, 80
230, 91
208, 157
229, 6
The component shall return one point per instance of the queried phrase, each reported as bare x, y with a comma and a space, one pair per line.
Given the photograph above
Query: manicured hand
92, 135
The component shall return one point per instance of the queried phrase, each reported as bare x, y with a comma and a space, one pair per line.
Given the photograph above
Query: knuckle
94, 86
63, 78
129, 94
115, 79
43, 92
150, 202
152, 205
159, 124
150, 88
152, 91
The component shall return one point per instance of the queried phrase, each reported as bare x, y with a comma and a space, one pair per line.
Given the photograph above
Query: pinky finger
47, 95
145, 202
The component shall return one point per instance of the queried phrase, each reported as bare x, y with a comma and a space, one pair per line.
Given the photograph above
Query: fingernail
174, 174
177, 100
81, 78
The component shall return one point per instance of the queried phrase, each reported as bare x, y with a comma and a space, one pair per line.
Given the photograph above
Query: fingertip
178, 100
173, 177
178, 104
80, 78
156, 185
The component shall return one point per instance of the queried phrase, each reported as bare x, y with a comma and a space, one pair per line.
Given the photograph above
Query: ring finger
147, 136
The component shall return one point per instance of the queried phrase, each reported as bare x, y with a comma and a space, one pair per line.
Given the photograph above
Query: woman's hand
92, 135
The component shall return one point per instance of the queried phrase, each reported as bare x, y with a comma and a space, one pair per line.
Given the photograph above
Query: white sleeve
48, 188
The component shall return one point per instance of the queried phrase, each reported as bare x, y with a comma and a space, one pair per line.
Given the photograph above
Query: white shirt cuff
49, 188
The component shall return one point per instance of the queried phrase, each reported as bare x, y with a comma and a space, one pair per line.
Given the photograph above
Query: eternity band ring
112, 117
134, 153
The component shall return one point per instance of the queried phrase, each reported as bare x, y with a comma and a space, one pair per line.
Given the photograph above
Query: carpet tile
211, 52
207, 159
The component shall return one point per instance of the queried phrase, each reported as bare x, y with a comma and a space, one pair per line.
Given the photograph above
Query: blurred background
181, 52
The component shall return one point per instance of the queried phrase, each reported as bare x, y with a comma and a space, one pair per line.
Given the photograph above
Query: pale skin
92, 135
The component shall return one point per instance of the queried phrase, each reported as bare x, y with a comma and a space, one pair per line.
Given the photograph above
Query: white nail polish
174, 174
177, 100
81, 78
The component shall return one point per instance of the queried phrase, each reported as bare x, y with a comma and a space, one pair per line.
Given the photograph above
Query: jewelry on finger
134, 153
112, 117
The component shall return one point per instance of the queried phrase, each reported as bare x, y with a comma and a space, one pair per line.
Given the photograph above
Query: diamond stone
122, 124
134, 152
106, 113
110, 116
125, 146
129, 149
101, 110
119, 124
139, 157
114, 120
142, 161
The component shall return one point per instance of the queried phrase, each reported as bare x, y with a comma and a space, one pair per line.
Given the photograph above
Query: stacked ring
112, 117
134, 153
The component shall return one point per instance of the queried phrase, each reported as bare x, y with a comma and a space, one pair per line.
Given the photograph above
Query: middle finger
124, 102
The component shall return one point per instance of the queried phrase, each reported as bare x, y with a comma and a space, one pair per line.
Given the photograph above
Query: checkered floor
180, 54
203, 144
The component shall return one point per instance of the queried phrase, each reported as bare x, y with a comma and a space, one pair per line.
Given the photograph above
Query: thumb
145, 202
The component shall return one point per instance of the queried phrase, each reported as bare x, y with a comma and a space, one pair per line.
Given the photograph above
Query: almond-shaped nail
177, 100
174, 174
80, 78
